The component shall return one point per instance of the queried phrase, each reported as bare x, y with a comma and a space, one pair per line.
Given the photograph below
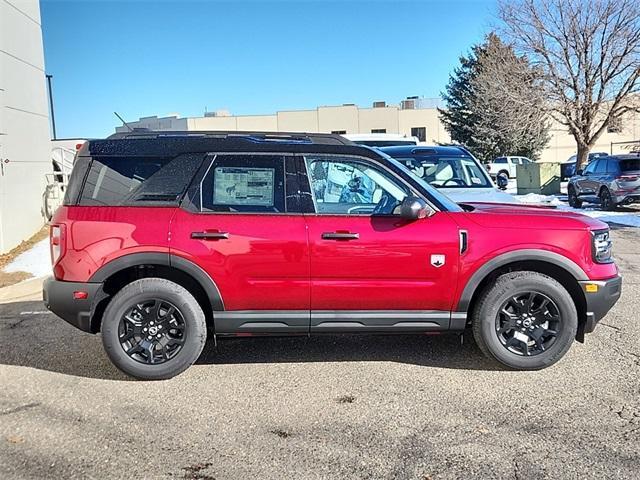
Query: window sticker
243, 186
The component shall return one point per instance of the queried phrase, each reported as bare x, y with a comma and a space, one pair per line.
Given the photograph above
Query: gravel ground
329, 407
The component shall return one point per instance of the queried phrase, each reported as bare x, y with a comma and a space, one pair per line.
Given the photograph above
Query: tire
606, 201
506, 172
574, 201
171, 350
507, 348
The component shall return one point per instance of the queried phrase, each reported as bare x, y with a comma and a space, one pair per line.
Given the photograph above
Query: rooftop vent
380, 104
218, 113
409, 104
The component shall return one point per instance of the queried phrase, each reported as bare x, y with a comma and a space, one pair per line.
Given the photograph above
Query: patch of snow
630, 219
536, 198
512, 187
36, 261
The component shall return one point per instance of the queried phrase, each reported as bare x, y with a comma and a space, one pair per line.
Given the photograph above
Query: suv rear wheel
153, 329
606, 201
525, 321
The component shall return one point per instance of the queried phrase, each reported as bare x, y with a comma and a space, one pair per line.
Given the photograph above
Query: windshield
443, 171
448, 204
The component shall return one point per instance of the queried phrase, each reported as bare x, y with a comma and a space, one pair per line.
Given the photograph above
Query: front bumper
58, 297
599, 302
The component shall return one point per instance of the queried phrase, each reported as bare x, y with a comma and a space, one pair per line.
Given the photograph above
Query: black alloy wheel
152, 331
574, 201
606, 202
525, 320
527, 323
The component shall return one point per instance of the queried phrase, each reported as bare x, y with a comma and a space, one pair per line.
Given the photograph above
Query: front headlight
601, 246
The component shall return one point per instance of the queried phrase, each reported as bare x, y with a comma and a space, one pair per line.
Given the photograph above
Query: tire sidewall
605, 193
498, 294
574, 202
146, 289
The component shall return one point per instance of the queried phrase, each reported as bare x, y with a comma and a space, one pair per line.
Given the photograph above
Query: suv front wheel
525, 320
574, 201
153, 329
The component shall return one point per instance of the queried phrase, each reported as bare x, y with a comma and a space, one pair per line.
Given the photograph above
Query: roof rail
284, 137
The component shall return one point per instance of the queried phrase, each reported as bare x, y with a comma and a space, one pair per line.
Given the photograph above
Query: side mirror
414, 208
502, 181
579, 171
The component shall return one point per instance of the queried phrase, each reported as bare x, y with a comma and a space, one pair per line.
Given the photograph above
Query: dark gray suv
610, 181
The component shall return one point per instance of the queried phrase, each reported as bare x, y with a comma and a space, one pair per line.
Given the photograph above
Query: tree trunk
582, 158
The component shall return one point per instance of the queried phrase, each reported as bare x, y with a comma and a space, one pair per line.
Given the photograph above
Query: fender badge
437, 260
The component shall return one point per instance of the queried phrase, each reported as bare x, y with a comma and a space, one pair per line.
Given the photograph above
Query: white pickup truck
506, 165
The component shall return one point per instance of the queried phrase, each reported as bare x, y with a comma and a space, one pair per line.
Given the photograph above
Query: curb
27, 290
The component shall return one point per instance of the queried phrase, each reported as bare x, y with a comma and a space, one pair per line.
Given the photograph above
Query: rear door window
246, 184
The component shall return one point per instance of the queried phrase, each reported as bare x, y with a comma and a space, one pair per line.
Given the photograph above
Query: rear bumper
627, 198
58, 296
602, 300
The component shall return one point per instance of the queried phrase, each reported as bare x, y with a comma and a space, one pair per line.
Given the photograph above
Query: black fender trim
165, 259
512, 257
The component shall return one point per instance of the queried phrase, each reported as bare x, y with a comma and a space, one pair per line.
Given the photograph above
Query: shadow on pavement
32, 337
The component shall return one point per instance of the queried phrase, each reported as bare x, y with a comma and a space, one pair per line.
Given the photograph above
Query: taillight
627, 178
56, 238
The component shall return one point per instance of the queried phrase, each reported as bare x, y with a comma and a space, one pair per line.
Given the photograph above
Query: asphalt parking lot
328, 407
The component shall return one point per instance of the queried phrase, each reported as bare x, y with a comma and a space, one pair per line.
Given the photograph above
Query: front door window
353, 187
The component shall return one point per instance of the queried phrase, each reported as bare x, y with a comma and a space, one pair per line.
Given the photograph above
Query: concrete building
413, 116
25, 149
622, 136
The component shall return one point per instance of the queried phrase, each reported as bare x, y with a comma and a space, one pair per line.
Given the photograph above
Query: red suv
165, 239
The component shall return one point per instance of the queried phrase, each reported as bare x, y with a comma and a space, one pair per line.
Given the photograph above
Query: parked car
568, 168
609, 181
166, 239
380, 139
506, 165
452, 170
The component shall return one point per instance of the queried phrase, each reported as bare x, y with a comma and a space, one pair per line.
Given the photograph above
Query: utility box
542, 178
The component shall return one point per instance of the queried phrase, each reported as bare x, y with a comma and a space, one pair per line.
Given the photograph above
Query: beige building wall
298, 121
377, 118
425, 117
562, 144
155, 123
338, 119
25, 148
352, 119
262, 123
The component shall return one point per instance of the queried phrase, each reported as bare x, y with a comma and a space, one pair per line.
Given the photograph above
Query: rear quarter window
630, 165
138, 181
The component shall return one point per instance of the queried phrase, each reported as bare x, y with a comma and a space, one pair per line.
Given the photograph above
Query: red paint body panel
387, 268
280, 262
264, 265
95, 236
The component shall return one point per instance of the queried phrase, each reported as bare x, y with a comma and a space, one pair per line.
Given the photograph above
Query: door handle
340, 236
209, 235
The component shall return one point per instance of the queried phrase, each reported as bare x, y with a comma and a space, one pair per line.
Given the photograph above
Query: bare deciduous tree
588, 53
